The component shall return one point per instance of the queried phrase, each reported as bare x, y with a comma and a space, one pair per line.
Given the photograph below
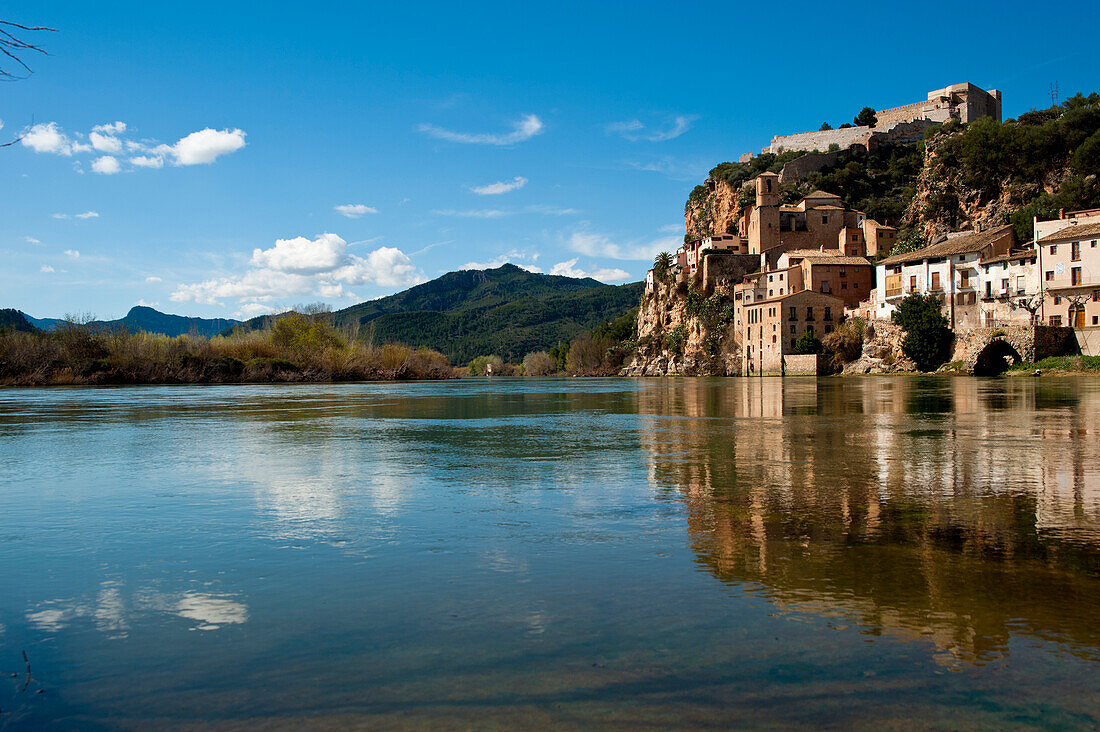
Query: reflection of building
947, 511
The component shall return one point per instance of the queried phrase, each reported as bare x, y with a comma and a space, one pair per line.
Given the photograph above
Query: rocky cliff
711, 209
683, 331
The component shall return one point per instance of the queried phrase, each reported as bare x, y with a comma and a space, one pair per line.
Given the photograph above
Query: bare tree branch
15, 48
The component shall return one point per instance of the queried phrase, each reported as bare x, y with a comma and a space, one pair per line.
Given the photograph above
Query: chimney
978, 226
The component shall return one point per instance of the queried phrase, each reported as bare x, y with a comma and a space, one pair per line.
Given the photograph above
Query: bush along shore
297, 347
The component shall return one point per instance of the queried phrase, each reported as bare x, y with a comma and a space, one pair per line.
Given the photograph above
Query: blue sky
560, 136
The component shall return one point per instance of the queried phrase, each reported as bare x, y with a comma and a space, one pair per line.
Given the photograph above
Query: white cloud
31, 240
252, 309
147, 161
598, 245
114, 128
569, 269
635, 131
72, 253
152, 278
354, 210
301, 267
205, 146
85, 215
142, 303
302, 256
671, 228
106, 165
105, 143
522, 130
46, 268
495, 189
47, 137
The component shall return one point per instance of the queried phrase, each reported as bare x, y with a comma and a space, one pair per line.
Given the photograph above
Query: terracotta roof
1080, 231
877, 225
1021, 254
794, 294
808, 252
963, 243
820, 194
826, 208
820, 258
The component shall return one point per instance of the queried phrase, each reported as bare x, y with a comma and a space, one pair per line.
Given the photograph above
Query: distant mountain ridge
142, 318
507, 311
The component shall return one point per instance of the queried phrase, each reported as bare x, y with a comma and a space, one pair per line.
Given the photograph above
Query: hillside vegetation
506, 311
985, 172
298, 347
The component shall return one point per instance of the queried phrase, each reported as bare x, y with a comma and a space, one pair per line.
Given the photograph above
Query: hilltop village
784, 275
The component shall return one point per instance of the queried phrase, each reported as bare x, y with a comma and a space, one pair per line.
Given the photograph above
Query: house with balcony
950, 268
771, 327
1069, 268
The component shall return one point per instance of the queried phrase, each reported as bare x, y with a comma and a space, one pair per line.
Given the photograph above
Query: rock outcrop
711, 209
881, 351
683, 331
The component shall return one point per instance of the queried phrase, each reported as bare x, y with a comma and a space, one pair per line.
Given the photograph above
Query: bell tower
764, 218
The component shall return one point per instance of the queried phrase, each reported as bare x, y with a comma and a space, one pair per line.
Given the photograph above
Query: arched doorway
995, 358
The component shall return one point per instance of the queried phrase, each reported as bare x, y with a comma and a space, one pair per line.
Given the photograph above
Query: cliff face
683, 333
946, 202
711, 209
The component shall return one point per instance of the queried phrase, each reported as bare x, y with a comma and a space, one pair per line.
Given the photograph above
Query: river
857, 552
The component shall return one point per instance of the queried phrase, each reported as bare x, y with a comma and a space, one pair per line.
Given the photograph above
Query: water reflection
955, 510
112, 612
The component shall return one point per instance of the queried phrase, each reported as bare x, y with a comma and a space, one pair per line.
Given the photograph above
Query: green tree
865, 118
825, 126
927, 338
662, 263
807, 343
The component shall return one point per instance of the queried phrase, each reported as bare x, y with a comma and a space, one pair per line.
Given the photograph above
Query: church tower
764, 219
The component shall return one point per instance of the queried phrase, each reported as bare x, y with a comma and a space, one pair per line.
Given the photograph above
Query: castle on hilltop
963, 102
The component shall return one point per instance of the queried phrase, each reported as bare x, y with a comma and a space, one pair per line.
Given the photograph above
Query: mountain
506, 311
14, 320
141, 318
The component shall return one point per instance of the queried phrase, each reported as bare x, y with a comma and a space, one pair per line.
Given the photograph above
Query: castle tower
764, 218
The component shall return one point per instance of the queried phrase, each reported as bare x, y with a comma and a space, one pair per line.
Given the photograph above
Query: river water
899, 552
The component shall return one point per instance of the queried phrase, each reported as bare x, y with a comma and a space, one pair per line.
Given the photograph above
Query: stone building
963, 102
772, 326
689, 255
818, 221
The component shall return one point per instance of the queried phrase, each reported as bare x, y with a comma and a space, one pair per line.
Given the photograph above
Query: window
824, 220
828, 313
1057, 300
792, 328
844, 285
1004, 284
826, 287
828, 329
843, 273
794, 313
1075, 251
1075, 276
912, 283
809, 313
780, 276
1048, 275
769, 293
1056, 320
935, 281
1096, 295
810, 329
1053, 248
773, 339
771, 278
1095, 320
988, 290
1093, 244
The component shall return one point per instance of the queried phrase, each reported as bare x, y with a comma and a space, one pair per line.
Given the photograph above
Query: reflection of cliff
956, 510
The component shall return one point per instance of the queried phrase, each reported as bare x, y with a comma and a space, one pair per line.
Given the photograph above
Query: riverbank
295, 349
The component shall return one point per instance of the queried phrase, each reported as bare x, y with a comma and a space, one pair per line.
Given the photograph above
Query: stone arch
994, 358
